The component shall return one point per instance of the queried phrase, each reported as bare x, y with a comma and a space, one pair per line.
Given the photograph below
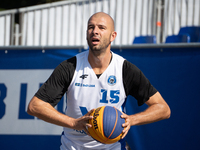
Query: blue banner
174, 72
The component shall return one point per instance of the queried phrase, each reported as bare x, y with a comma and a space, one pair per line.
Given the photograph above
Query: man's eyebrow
91, 25
104, 26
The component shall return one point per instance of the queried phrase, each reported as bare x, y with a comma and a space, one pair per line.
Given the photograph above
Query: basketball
106, 124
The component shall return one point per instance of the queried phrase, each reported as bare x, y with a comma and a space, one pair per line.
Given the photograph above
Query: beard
103, 44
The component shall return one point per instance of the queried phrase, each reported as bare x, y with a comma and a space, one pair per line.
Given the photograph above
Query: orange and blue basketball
106, 124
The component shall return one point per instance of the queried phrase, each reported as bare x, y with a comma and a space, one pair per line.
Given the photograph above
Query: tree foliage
12, 4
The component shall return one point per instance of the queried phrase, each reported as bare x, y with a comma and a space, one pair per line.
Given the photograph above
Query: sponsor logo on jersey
80, 131
112, 80
84, 76
84, 85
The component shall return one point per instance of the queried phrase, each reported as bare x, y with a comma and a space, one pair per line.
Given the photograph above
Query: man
87, 78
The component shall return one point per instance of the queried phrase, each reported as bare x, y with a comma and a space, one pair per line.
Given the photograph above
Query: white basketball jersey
87, 91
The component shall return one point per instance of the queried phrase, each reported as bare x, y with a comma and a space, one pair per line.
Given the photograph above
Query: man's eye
101, 27
90, 27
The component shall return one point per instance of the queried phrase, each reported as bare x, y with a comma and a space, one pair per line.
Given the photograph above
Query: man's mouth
95, 40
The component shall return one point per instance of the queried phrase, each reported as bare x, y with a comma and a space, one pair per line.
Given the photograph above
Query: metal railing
64, 23
7, 27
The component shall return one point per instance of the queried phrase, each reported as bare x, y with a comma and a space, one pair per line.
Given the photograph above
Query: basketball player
91, 79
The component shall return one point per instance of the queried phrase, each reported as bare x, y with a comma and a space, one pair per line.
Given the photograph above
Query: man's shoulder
68, 64
118, 57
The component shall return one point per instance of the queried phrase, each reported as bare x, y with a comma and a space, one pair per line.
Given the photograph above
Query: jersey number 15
114, 96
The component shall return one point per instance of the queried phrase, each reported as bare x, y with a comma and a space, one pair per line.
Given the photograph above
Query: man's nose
95, 30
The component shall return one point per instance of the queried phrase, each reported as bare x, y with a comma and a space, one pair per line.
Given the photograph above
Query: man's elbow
167, 112
30, 110
32, 107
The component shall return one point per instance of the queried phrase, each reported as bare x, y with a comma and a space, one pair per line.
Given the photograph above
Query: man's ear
113, 36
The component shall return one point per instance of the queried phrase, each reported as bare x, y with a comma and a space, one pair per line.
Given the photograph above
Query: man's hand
125, 125
82, 123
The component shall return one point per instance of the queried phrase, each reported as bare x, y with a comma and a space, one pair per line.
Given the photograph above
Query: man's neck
99, 63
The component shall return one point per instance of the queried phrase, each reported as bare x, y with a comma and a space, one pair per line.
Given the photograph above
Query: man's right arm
48, 113
42, 104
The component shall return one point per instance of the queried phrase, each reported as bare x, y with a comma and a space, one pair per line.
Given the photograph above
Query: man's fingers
89, 112
124, 125
123, 135
125, 130
83, 122
86, 128
88, 125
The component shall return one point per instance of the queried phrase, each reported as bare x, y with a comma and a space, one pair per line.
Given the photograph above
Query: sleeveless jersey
86, 92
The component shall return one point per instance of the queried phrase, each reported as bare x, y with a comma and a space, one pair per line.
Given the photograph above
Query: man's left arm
157, 110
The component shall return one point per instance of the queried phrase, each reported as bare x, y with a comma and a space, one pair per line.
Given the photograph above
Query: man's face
99, 33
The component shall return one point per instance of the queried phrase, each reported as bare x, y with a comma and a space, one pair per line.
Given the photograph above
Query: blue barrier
173, 70
182, 38
192, 31
145, 39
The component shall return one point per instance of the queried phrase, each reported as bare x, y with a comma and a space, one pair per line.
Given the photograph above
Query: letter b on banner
3, 91
22, 107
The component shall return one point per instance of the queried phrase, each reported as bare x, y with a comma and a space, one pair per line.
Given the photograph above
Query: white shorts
69, 145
